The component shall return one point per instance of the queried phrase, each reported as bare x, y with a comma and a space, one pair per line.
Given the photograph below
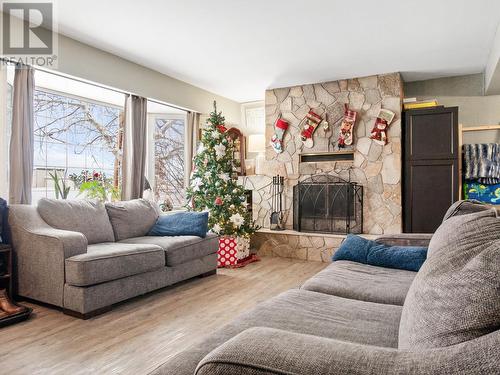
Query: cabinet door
431, 134
430, 188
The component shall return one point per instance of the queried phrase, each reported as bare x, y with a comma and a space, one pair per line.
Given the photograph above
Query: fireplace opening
328, 204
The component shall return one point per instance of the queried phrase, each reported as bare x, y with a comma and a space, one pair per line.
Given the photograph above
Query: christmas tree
214, 186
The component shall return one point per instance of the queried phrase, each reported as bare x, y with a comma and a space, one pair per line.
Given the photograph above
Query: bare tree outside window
169, 161
73, 135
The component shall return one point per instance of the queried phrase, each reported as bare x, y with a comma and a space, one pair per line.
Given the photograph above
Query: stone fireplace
375, 167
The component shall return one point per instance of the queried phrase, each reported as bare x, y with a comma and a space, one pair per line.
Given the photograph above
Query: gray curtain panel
134, 147
22, 138
192, 130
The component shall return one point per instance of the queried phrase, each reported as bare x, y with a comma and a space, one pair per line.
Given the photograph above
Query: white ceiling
239, 48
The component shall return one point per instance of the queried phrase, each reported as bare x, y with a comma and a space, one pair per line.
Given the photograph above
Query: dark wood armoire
430, 167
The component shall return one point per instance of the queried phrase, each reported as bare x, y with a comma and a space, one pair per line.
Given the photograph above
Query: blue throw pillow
181, 224
361, 250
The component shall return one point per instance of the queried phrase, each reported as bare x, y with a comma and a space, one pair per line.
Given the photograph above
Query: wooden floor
139, 335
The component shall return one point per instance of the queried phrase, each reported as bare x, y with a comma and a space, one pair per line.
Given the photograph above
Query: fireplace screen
327, 204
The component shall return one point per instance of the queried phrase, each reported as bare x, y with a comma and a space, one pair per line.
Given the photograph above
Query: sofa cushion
180, 249
84, 216
455, 296
132, 218
110, 261
362, 282
306, 312
361, 250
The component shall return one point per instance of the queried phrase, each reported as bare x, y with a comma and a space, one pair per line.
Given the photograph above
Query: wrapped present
231, 250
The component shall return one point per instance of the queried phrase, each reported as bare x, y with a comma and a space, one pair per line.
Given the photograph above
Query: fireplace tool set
277, 221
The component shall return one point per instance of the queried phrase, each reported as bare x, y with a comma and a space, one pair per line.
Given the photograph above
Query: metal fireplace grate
328, 204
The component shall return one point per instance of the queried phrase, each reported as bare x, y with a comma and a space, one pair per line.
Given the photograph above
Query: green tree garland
214, 186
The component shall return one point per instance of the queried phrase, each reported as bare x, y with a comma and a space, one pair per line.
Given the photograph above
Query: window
76, 139
78, 134
73, 139
167, 151
253, 117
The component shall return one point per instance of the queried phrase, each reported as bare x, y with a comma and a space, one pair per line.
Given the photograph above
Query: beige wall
476, 110
465, 92
83, 61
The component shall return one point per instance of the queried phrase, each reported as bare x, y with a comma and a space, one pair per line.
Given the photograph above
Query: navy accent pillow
181, 224
361, 250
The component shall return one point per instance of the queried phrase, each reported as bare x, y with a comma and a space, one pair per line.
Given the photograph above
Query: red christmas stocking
312, 121
280, 128
347, 128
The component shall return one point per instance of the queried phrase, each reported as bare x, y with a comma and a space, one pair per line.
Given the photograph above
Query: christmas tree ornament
382, 122
196, 183
216, 228
311, 122
220, 151
237, 220
280, 128
347, 127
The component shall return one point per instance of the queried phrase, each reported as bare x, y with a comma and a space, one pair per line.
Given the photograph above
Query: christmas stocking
347, 127
379, 131
280, 128
312, 121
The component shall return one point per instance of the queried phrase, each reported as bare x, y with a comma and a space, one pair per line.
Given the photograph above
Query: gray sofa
354, 318
85, 256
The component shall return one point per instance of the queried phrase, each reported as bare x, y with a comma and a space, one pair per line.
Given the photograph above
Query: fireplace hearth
328, 204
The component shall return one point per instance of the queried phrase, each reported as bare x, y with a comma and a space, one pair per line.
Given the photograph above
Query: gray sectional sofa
354, 318
85, 256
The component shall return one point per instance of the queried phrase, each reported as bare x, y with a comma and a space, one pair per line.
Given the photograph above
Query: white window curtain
22, 137
134, 147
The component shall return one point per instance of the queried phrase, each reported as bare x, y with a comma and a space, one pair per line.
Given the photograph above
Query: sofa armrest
264, 351
405, 239
68, 243
25, 220
41, 251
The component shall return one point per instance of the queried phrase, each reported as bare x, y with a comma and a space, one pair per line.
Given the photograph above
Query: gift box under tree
232, 250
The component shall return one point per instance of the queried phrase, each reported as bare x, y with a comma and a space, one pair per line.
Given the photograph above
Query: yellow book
423, 104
